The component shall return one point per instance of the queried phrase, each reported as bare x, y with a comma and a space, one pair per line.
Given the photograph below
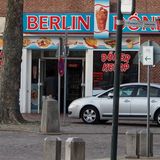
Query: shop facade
90, 54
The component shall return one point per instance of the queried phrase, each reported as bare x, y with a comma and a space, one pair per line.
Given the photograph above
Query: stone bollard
143, 143
50, 120
132, 148
52, 148
74, 149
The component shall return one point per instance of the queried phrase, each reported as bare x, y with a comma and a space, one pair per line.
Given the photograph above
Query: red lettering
86, 23
108, 67
54, 21
64, 23
134, 17
103, 57
43, 22
73, 26
128, 57
110, 56
32, 23
124, 67
114, 23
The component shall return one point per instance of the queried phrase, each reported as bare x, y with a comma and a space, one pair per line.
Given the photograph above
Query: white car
132, 104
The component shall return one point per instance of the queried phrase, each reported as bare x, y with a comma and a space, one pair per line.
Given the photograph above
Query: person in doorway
51, 87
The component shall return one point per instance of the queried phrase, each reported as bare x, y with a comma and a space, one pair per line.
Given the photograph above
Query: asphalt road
22, 145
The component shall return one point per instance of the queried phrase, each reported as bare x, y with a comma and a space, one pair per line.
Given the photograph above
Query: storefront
90, 56
90, 66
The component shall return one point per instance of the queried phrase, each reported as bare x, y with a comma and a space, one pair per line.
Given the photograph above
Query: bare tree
10, 71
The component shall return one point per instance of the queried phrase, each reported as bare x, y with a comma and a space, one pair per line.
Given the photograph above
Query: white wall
25, 89
89, 73
2, 24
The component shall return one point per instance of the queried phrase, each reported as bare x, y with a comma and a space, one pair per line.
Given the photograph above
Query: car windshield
125, 91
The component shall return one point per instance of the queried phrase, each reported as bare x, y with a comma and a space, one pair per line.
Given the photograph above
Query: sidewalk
27, 139
144, 158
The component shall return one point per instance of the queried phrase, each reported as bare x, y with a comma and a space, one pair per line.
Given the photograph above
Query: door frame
40, 83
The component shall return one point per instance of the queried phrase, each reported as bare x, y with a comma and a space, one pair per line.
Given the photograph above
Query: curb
141, 158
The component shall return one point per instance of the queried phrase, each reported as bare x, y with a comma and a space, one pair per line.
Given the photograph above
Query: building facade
70, 31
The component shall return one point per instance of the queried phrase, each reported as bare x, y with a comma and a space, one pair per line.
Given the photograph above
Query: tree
10, 71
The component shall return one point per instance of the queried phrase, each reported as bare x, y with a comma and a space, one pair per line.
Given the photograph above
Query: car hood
84, 99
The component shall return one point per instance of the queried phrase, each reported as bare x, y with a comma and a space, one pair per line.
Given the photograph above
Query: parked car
132, 104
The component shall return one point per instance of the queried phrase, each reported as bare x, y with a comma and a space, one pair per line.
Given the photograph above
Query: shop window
77, 53
104, 65
50, 53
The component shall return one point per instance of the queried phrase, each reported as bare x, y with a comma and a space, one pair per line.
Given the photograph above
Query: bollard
132, 147
52, 148
143, 143
74, 149
50, 116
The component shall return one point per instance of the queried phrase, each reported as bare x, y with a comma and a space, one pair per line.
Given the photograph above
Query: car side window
126, 91
105, 95
142, 91
154, 92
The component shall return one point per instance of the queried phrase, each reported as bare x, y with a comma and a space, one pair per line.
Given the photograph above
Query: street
20, 145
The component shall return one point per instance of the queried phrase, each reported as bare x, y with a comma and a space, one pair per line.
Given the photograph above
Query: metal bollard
132, 147
74, 149
52, 148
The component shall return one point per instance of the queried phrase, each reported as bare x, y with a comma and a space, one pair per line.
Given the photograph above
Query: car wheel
90, 115
158, 118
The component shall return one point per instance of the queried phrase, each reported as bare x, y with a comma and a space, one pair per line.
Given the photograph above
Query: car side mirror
110, 95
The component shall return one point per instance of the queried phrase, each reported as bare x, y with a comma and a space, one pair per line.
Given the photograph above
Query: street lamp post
116, 82
123, 7
65, 74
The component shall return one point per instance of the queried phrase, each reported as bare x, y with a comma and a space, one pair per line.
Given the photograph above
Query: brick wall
3, 7
59, 5
143, 6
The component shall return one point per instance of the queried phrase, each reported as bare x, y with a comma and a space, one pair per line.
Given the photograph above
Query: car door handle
153, 101
126, 100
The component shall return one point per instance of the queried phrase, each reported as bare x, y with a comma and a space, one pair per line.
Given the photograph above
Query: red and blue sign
78, 23
136, 17
58, 23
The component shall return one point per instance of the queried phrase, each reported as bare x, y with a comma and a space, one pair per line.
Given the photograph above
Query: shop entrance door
48, 81
75, 80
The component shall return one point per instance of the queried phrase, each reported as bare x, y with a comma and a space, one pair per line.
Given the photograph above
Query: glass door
48, 81
41, 77
74, 80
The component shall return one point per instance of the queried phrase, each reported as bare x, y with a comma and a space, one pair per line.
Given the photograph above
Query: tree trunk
10, 71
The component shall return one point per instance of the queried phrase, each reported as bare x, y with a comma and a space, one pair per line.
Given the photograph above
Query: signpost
149, 55
119, 24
